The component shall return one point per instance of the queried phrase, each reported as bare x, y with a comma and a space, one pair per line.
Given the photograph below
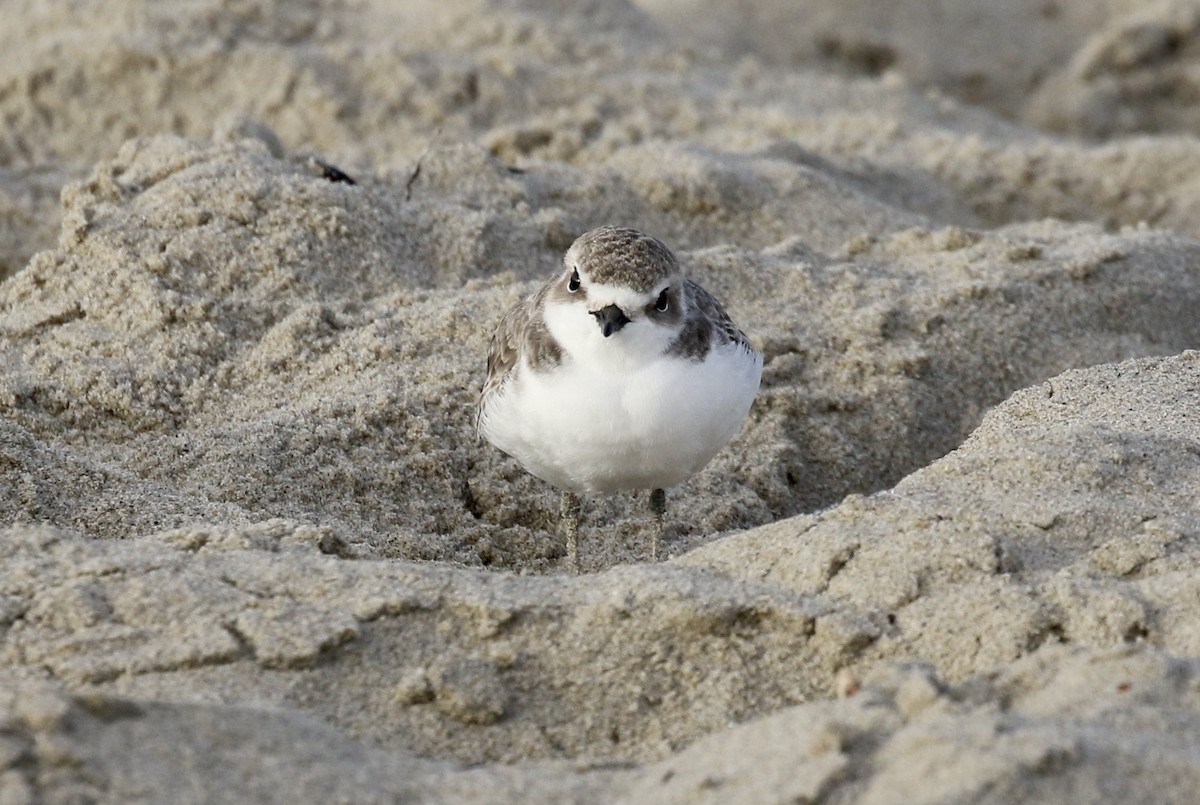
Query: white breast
608, 429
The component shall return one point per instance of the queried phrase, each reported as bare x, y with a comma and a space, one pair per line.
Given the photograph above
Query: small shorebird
618, 374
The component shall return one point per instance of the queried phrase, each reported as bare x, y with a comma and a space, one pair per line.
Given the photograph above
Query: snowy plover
617, 374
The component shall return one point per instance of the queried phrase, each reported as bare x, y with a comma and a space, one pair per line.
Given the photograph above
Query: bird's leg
570, 509
658, 506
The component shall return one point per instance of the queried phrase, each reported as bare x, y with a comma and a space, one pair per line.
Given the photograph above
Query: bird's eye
573, 283
662, 304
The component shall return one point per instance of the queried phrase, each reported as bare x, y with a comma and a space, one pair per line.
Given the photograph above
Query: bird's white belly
592, 431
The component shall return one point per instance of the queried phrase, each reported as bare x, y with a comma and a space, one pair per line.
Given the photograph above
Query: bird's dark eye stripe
663, 302
573, 283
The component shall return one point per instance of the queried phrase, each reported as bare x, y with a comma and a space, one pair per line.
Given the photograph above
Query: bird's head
619, 298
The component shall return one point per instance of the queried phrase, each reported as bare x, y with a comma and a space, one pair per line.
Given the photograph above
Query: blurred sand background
253, 551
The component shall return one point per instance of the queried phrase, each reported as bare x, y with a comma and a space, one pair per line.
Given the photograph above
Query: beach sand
251, 256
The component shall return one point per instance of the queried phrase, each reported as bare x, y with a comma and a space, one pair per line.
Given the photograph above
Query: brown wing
698, 336
521, 332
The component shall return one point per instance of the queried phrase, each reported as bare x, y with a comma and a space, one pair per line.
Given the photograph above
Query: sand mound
979, 567
250, 339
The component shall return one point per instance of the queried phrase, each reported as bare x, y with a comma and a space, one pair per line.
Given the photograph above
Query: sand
251, 256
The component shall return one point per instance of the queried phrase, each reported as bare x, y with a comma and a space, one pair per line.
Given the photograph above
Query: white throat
635, 345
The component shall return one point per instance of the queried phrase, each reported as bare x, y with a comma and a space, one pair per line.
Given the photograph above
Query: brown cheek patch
694, 341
